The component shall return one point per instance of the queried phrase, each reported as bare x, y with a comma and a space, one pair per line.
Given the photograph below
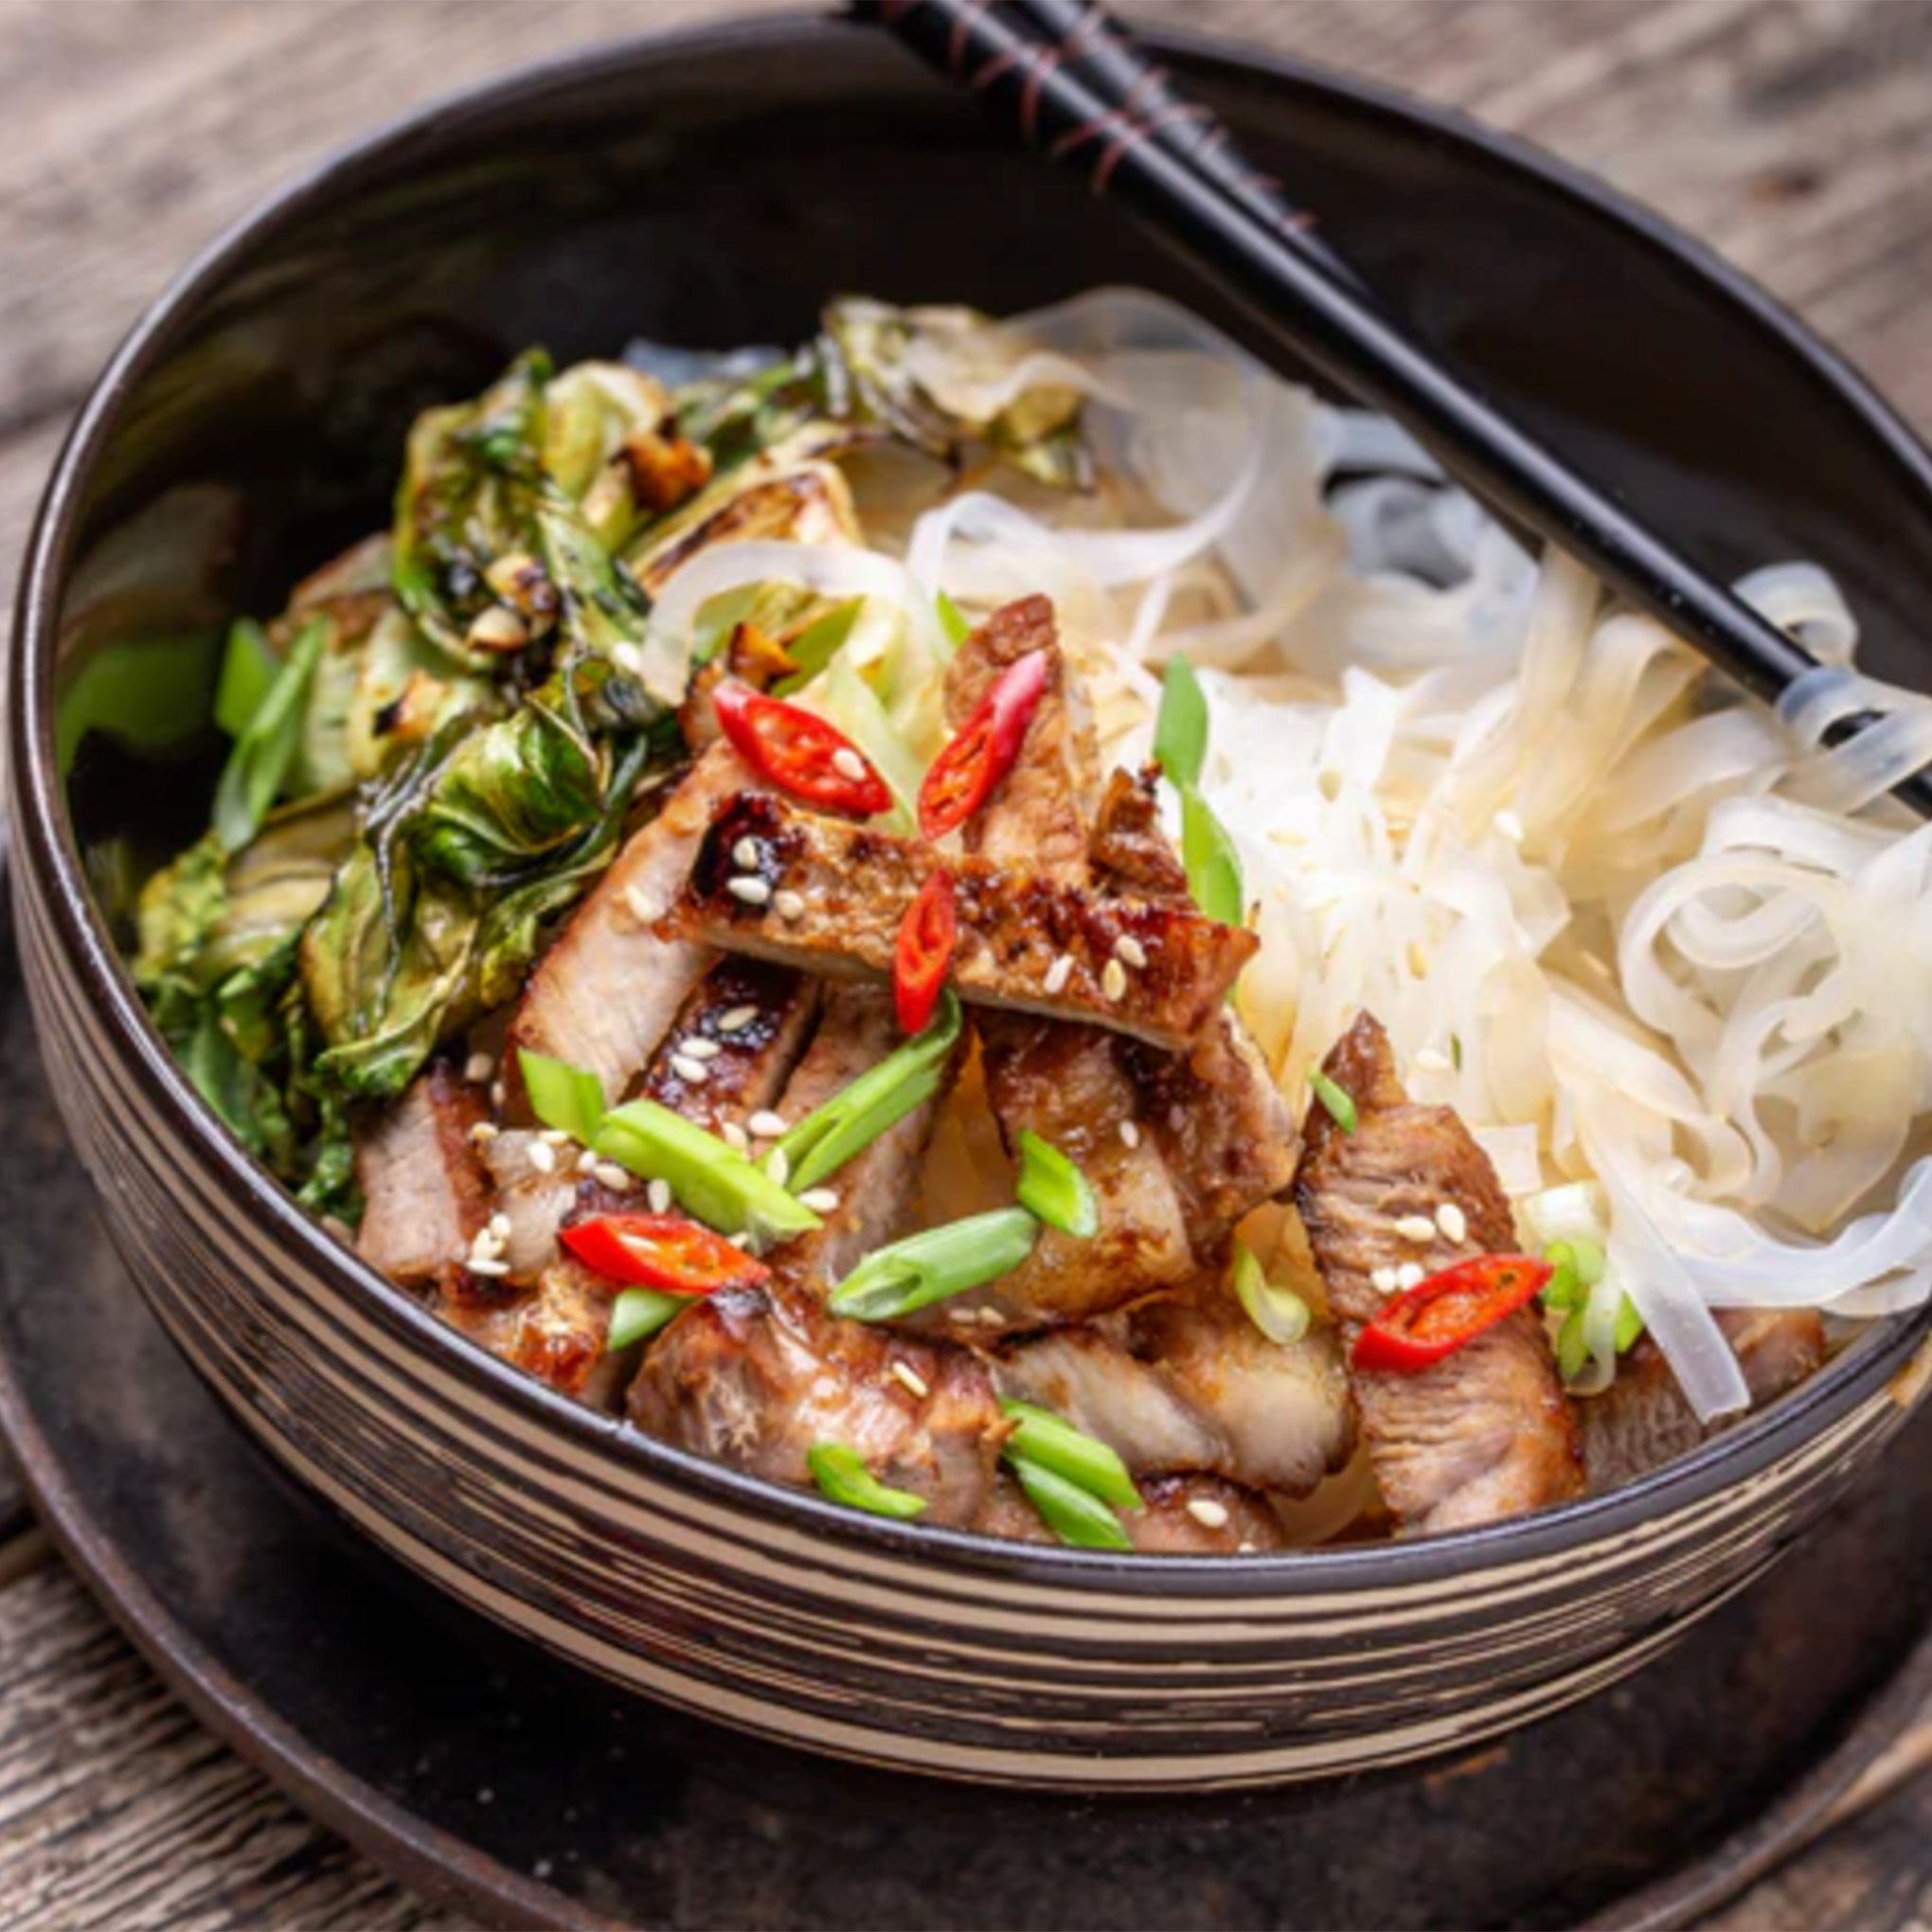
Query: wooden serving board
1788, 134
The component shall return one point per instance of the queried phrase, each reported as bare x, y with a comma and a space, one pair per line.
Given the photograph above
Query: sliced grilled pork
1641, 1421
558, 1333
609, 987
1180, 1515
1186, 1384
1488, 1432
426, 1193
733, 1043
781, 883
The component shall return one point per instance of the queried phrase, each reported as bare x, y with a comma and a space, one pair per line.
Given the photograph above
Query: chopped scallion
842, 1476
1629, 1325
1074, 1514
1455, 1051
855, 1116
1050, 1442
1180, 730
1279, 1313
1572, 1345
563, 1096
248, 672
936, 1264
1212, 864
638, 1314
816, 646
1055, 1189
1339, 1106
261, 757
952, 621
711, 1178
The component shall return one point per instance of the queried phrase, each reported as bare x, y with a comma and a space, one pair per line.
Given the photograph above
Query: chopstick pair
1072, 82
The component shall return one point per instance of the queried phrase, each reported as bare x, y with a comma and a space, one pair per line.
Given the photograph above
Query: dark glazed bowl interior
718, 194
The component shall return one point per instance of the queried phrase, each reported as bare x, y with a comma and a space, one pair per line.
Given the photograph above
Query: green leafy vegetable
1051, 1186
561, 1096
936, 1265
1338, 1104
841, 1474
267, 745
150, 692
712, 1179
855, 1116
638, 1314
1076, 1516
248, 672
1180, 727
1279, 1313
1048, 1441
1212, 863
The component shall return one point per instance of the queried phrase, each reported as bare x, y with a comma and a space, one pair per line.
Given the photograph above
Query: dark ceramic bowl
713, 188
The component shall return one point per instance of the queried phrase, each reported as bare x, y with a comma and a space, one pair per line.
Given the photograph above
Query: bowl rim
1888, 1351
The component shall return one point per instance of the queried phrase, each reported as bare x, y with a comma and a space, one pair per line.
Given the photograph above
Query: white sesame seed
766, 1125
736, 1019
1130, 1134
848, 764
586, 1161
484, 1130
657, 1197
478, 1069
1453, 1222
692, 1072
498, 1093
542, 1156
1383, 1280
643, 908
1114, 979
777, 1166
820, 1200
487, 1245
736, 1137
697, 1047
609, 1174
745, 854
1244, 1549
1510, 826
911, 1380
1408, 1276
482, 1264
789, 904
1209, 1513
990, 1317
1415, 1227
1129, 951
1059, 974
752, 891
627, 657
499, 1227
1430, 1060
555, 1135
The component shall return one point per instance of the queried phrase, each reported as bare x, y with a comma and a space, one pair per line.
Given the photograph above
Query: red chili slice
1447, 1312
800, 753
924, 951
661, 1251
982, 751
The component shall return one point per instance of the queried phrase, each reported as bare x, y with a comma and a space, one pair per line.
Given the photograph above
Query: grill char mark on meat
771, 1008
1488, 1432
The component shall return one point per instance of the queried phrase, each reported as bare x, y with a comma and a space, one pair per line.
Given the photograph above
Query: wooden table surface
1790, 133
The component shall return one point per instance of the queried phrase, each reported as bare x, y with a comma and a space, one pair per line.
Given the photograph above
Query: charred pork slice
558, 1333
828, 897
734, 1043
427, 1191
1184, 1383
610, 986
1488, 1432
1641, 1421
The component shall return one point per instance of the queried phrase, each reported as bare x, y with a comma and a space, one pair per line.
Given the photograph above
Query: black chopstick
1063, 83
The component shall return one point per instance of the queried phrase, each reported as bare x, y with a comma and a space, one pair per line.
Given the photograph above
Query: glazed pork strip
1488, 1432
1227, 1135
558, 1333
426, 1194
1641, 1421
781, 883
1063, 1082
1186, 1385
610, 986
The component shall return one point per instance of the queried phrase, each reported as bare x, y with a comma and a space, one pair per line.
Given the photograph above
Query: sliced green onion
261, 757
1074, 1514
952, 621
1572, 1345
637, 1313
1180, 729
1576, 1268
1455, 1051
712, 1179
1049, 1441
1055, 1189
1279, 1313
841, 1476
1629, 1325
1212, 864
817, 644
934, 1265
248, 672
1339, 1105
855, 1116
563, 1096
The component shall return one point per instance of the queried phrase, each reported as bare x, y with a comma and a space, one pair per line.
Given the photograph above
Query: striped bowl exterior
773, 1611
